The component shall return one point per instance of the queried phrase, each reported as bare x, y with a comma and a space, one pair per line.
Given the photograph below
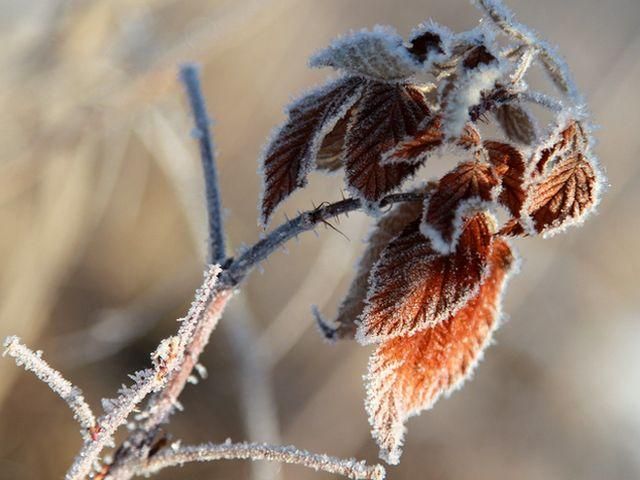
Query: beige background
101, 234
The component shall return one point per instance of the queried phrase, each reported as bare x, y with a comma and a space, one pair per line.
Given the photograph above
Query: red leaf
469, 182
571, 138
413, 287
290, 155
388, 227
385, 115
564, 196
408, 374
510, 165
416, 149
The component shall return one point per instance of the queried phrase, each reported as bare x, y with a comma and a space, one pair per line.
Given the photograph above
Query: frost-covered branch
165, 359
302, 223
190, 78
504, 19
171, 457
33, 362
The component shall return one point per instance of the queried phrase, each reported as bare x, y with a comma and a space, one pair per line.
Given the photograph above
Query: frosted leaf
430, 42
408, 374
568, 138
564, 196
417, 148
510, 165
385, 115
470, 182
329, 157
290, 154
517, 123
378, 54
387, 227
413, 287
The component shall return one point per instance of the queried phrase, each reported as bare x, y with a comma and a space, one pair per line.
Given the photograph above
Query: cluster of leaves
428, 288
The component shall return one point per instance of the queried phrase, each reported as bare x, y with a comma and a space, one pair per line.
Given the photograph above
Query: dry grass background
101, 227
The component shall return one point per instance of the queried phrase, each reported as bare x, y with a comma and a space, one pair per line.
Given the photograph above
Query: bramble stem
189, 74
170, 457
305, 221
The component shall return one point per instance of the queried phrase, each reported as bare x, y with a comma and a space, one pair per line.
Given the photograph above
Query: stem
305, 221
256, 451
189, 74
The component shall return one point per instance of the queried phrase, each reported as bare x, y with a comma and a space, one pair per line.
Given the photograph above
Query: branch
171, 457
556, 67
304, 222
189, 76
33, 362
165, 359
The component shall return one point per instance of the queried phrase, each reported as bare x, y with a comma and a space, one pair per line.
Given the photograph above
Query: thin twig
556, 67
190, 78
165, 359
33, 362
350, 468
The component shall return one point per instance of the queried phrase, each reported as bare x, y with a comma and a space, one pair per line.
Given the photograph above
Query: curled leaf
329, 157
384, 115
469, 183
510, 165
378, 54
416, 149
413, 287
408, 374
290, 155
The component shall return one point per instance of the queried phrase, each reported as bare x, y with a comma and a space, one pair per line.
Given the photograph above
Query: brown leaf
510, 166
329, 157
385, 115
564, 196
517, 123
290, 155
408, 374
413, 287
470, 182
388, 227
416, 149
571, 138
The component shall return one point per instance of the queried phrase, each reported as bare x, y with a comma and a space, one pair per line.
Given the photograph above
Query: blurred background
101, 236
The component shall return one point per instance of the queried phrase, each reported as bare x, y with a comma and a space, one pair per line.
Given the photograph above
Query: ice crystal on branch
33, 362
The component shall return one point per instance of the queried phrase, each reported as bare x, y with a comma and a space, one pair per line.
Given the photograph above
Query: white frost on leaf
467, 94
379, 54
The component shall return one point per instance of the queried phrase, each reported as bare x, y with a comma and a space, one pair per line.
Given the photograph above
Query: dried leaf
408, 374
378, 54
565, 141
510, 166
469, 183
385, 115
290, 154
564, 196
413, 287
416, 149
329, 157
387, 228
517, 123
